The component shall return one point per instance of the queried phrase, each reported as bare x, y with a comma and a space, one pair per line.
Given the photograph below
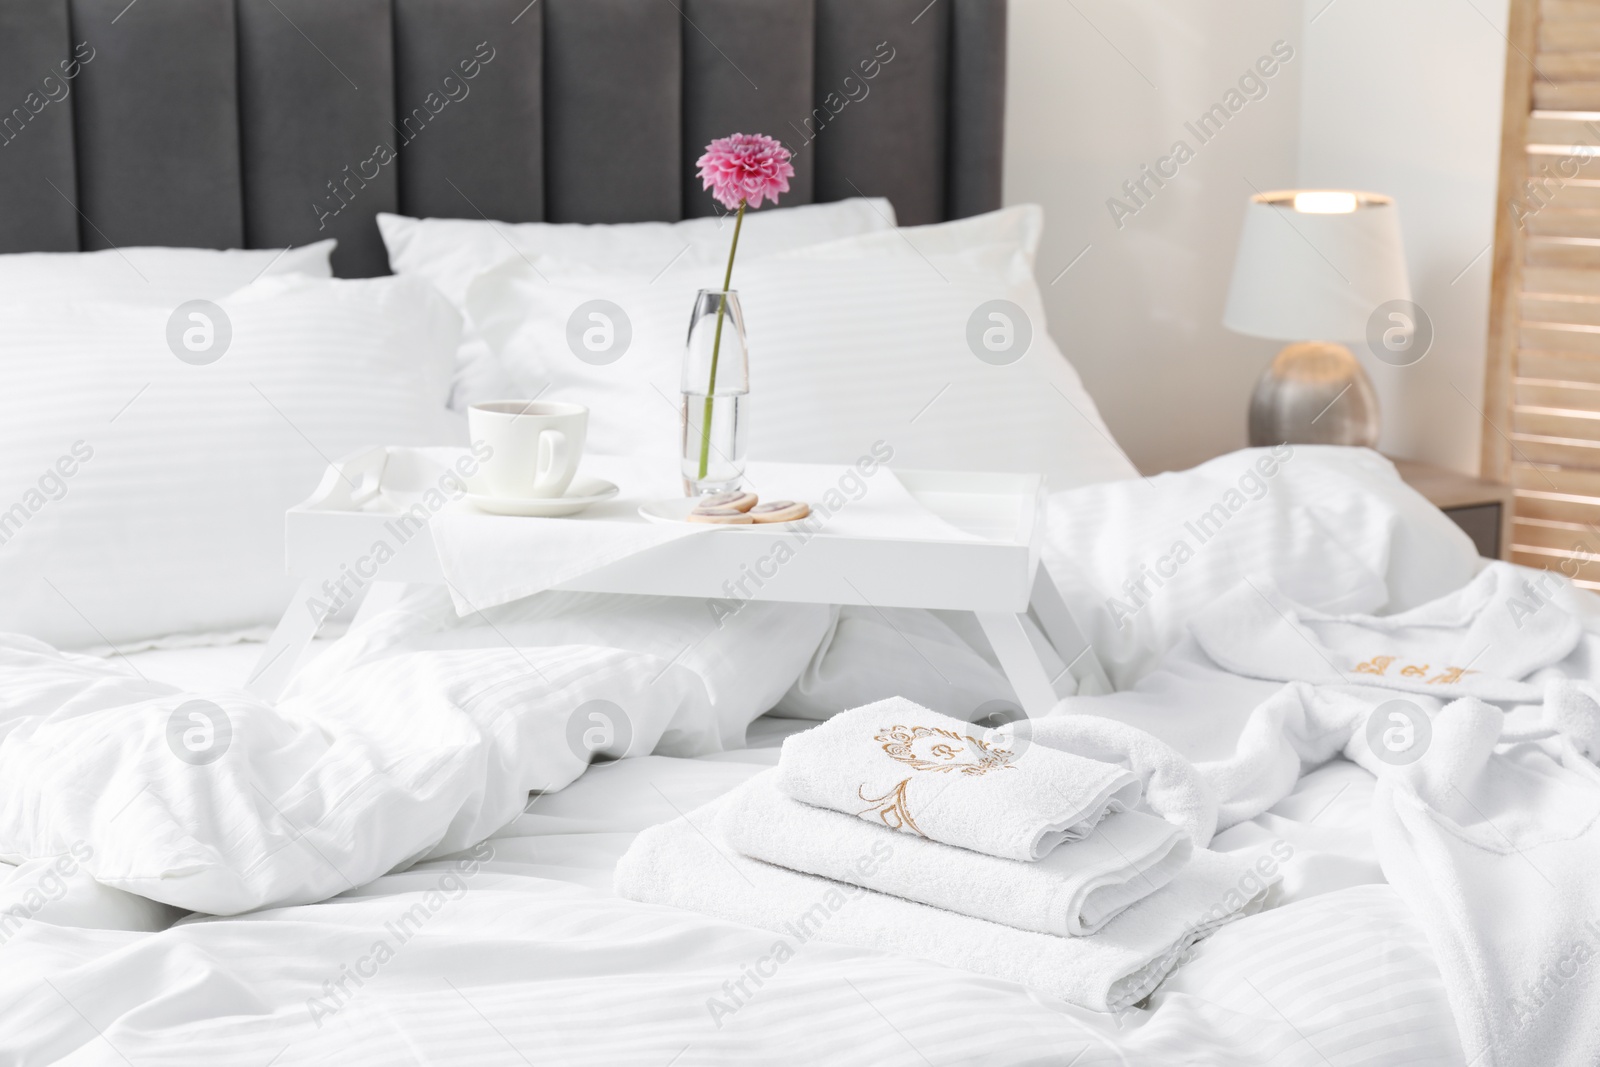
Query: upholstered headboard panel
263, 123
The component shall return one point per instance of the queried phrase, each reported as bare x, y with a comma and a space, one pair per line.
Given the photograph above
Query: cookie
737, 499
779, 511
724, 516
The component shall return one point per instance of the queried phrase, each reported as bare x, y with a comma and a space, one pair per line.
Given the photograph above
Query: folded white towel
1075, 890
687, 864
900, 765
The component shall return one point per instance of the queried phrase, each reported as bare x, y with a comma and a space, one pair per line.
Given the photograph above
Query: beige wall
1399, 101
1404, 98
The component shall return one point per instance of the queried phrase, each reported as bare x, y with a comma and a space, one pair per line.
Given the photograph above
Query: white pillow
867, 338
153, 275
869, 654
1334, 528
451, 252
1018, 229
143, 496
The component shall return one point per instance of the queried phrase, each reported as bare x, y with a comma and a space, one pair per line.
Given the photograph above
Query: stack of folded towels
894, 827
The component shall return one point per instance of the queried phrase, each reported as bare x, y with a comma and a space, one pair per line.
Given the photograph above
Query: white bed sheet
531, 958
206, 667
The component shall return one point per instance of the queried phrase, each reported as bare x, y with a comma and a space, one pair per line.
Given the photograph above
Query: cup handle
552, 458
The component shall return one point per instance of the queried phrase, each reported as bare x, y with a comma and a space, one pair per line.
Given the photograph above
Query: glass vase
716, 390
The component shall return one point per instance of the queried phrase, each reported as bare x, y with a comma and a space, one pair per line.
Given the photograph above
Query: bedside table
1481, 508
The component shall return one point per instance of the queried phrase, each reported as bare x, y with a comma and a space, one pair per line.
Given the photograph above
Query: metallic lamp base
1314, 393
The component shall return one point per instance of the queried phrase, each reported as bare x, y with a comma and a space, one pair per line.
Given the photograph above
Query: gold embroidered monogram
892, 809
929, 748
1380, 665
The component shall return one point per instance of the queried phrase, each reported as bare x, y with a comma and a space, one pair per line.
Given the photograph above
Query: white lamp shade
1316, 272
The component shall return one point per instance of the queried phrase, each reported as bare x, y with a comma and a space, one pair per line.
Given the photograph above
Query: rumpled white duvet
419, 736
412, 739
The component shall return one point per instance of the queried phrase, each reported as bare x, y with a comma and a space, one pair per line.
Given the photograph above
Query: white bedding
411, 739
142, 492
420, 734
526, 956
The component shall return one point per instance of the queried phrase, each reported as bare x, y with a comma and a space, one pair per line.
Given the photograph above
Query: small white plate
676, 511
582, 493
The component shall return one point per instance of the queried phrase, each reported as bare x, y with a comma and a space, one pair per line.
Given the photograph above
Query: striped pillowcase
143, 495
876, 337
154, 275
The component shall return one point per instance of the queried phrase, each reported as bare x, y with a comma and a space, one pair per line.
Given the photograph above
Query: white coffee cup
536, 446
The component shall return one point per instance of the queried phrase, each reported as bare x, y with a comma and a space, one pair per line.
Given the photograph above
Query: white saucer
677, 511
583, 492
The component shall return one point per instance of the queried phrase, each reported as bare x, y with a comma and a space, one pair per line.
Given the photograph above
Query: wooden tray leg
1008, 635
1062, 629
288, 643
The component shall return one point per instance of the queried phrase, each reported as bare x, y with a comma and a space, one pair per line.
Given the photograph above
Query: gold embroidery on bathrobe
1375, 665
1380, 665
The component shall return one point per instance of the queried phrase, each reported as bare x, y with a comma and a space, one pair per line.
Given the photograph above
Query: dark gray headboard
230, 123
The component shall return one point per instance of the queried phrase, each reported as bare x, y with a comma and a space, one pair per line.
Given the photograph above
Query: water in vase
724, 458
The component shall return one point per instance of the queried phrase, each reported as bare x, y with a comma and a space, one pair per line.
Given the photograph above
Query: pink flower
745, 167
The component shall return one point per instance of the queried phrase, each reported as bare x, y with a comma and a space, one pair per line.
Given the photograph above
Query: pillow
451, 252
869, 654
1019, 229
143, 495
883, 336
153, 275
1334, 528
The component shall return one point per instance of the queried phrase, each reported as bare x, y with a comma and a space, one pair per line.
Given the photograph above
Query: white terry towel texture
1491, 835
1074, 891
900, 765
686, 863
1496, 846
1489, 640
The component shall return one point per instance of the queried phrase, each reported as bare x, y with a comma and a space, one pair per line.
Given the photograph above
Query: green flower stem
716, 346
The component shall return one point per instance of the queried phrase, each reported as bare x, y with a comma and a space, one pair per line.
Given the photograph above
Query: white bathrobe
1492, 835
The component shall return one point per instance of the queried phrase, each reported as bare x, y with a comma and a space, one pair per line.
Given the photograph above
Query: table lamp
1316, 267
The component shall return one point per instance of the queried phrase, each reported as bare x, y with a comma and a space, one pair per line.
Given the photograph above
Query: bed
404, 859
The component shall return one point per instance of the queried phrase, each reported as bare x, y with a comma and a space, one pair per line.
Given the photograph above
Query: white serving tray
993, 573
361, 499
